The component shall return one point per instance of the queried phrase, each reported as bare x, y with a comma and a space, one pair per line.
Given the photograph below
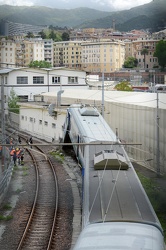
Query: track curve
40, 226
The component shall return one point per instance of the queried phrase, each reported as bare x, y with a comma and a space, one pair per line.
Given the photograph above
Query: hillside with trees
148, 16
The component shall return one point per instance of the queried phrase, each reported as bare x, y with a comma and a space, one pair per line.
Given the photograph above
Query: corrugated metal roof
5, 71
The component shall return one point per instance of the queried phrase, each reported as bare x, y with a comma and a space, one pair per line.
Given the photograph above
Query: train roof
92, 126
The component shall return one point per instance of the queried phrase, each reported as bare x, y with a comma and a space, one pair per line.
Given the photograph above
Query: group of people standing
16, 153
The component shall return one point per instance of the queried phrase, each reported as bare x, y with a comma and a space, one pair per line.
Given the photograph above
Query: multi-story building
67, 53
94, 55
104, 55
8, 28
146, 60
21, 52
28, 51
128, 49
7, 53
48, 50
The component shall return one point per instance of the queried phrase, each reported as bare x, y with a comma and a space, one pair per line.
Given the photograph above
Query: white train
116, 212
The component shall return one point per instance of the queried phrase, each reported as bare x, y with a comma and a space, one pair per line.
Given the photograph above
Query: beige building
20, 52
104, 55
128, 49
27, 51
67, 53
149, 61
7, 53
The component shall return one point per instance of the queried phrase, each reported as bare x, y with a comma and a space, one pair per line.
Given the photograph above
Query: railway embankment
155, 187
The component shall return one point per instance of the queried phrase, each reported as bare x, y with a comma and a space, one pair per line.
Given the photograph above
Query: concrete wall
137, 124
133, 114
37, 121
13, 120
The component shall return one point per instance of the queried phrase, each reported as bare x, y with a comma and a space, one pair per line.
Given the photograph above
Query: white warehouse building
138, 118
28, 82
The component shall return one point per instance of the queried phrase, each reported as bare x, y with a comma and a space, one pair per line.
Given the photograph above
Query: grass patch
25, 173
57, 155
6, 218
7, 207
24, 168
15, 167
18, 190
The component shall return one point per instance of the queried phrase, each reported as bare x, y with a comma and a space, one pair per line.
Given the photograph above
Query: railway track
40, 226
27, 231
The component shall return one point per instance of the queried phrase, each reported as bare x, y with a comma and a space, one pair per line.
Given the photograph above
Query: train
116, 212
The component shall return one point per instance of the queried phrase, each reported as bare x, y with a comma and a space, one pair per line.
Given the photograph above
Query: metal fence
5, 181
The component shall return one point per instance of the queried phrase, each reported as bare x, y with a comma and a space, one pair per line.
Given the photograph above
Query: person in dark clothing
30, 141
22, 158
14, 158
19, 139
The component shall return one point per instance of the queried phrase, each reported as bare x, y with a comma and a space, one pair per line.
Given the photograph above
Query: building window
38, 79
53, 125
56, 79
22, 80
40, 122
31, 119
22, 117
72, 79
46, 123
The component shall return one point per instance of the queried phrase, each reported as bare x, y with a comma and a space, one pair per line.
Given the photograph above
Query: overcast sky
107, 5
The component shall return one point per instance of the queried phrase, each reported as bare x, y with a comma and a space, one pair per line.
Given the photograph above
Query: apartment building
128, 49
8, 28
28, 51
104, 55
20, 52
147, 61
7, 53
93, 55
67, 53
48, 50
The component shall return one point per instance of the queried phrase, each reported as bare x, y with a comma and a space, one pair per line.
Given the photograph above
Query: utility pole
48, 80
2, 124
157, 139
103, 94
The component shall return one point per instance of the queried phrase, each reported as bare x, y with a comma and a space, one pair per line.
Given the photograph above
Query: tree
39, 64
123, 86
52, 35
160, 53
30, 35
144, 52
130, 62
65, 36
12, 102
42, 34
